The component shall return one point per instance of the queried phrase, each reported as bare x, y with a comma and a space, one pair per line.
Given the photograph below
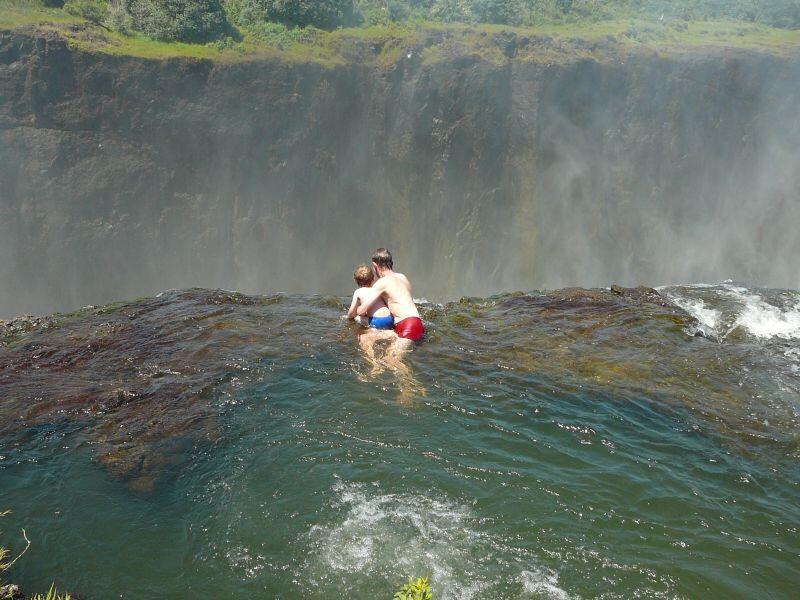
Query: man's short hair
363, 275
383, 258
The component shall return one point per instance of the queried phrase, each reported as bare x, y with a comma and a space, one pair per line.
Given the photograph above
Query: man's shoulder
397, 284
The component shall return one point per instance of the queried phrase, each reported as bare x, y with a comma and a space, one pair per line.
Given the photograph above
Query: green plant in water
52, 594
419, 589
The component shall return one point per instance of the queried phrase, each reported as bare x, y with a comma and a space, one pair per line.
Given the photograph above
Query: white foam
765, 320
542, 584
397, 536
750, 311
707, 317
699, 286
241, 560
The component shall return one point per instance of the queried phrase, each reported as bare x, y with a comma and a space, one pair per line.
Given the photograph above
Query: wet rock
146, 383
125, 376
19, 325
639, 294
507, 42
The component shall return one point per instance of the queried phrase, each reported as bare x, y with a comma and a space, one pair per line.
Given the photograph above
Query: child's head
363, 275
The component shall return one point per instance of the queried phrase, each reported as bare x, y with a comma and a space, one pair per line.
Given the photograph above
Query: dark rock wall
121, 177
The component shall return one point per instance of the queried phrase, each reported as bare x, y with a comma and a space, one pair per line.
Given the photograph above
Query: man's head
363, 275
382, 260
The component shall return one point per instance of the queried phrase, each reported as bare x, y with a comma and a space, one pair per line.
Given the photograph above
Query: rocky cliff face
122, 176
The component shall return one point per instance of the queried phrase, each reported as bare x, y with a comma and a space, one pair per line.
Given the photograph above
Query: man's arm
371, 297
351, 312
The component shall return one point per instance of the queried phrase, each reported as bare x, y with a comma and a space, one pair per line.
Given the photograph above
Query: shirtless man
395, 290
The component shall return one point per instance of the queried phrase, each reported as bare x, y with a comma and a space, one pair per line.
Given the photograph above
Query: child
378, 317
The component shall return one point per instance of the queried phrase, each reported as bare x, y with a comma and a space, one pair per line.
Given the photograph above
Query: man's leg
395, 353
367, 342
409, 387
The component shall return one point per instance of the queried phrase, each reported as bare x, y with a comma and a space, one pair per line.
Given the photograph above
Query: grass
19, 14
52, 594
384, 45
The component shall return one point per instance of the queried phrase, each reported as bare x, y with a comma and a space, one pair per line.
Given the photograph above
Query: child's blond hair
363, 275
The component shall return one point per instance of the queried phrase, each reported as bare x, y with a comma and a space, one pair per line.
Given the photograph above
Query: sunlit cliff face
121, 177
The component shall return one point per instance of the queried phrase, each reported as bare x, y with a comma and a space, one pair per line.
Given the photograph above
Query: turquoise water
569, 444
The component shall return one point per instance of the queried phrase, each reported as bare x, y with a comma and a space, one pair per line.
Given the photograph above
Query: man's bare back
396, 289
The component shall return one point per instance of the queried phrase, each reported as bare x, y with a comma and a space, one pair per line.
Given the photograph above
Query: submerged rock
150, 381
639, 294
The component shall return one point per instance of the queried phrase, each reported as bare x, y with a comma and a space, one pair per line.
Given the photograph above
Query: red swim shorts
410, 328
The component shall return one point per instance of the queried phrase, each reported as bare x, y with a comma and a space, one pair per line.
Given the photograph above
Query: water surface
546, 445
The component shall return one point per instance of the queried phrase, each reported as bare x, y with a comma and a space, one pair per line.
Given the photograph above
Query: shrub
245, 13
372, 12
117, 17
179, 20
506, 12
418, 589
91, 10
274, 34
398, 11
451, 11
324, 14
782, 13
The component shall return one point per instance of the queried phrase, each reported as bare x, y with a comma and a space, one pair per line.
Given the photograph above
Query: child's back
379, 308
379, 316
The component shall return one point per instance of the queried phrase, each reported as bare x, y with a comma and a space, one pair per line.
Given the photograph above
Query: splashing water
707, 318
765, 320
775, 316
383, 535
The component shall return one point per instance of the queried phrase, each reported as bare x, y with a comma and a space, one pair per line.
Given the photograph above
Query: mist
656, 175
121, 177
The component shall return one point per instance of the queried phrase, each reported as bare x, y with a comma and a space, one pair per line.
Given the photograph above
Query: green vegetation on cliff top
387, 42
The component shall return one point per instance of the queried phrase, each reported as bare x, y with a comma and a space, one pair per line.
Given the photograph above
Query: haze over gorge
533, 163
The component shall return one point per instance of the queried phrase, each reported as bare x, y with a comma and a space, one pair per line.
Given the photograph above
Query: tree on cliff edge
179, 20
